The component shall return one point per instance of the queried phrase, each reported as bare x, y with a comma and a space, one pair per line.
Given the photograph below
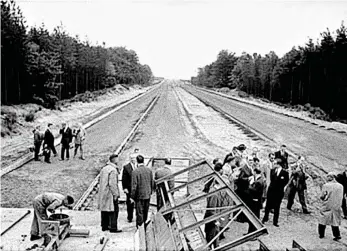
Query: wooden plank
296, 245
162, 233
262, 246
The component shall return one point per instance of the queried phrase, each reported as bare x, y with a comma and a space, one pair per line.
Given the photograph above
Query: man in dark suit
283, 155
297, 184
279, 179
66, 139
255, 191
48, 143
342, 179
142, 185
126, 184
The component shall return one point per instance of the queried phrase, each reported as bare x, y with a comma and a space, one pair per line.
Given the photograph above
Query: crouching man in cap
331, 212
43, 203
109, 195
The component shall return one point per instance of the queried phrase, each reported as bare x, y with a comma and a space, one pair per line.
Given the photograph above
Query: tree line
314, 74
43, 67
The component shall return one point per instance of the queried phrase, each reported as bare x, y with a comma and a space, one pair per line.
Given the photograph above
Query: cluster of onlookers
264, 183
46, 141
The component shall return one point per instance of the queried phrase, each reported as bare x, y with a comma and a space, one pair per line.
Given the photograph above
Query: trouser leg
52, 147
67, 148
336, 231
291, 196
48, 155
114, 216
301, 194
256, 211
105, 221
276, 212
267, 211
39, 215
139, 213
321, 230
75, 150
62, 151
344, 206
145, 210
81, 150
130, 208
37, 150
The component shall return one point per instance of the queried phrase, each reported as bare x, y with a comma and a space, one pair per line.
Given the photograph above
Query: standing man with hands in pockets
142, 185
126, 183
109, 195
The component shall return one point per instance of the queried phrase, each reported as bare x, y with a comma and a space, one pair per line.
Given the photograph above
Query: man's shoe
116, 231
48, 162
35, 237
321, 236
264, 220
337, 238
130, 221
67, 158
289, 208
276, 225
82, 158
61, 159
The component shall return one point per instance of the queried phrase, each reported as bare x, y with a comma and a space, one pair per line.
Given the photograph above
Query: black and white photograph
183, 125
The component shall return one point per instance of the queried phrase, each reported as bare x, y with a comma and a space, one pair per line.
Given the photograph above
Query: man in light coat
43, 203
109, 195
330, 212
80, 136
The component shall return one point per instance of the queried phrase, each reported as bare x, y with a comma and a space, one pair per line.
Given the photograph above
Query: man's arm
55, 204
113, 183
125, 178
133, 185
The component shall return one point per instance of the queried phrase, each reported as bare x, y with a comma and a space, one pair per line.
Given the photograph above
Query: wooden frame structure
189, 229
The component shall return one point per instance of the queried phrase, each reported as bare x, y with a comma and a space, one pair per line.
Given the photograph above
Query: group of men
260, 183
256, 183
138, 182
46, 140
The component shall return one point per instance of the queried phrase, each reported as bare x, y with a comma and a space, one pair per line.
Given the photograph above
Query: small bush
29, 117
243, 94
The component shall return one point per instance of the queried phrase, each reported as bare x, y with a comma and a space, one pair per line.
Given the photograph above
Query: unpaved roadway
179, 125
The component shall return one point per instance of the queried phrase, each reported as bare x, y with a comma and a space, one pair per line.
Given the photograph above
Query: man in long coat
275, 193
142, 185
330, 212
160, 173
255, 191
43, 203
126, 184
109, 195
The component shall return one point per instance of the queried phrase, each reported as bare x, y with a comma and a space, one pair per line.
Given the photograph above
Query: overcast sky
176, 37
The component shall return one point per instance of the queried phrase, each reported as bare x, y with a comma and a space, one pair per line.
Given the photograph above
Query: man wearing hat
331, 212
109, 195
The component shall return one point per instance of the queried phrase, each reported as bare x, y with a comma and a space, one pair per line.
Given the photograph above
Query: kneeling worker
43, 203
